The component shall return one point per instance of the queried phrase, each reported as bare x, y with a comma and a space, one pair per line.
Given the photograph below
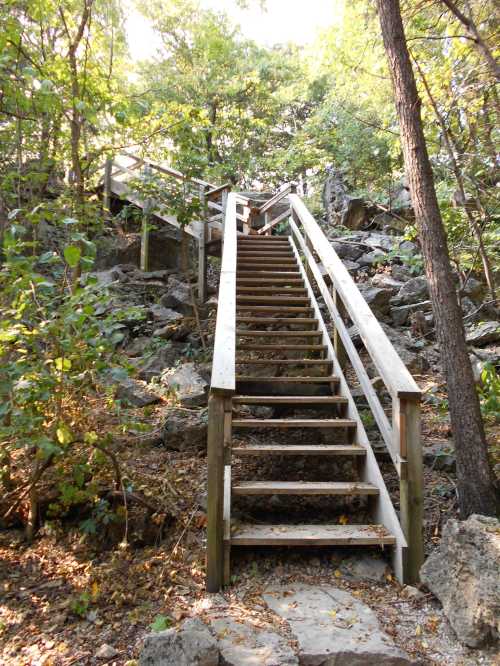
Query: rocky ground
74, 599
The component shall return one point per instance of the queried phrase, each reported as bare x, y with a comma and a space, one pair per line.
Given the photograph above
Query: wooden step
289, 400
257, 347
271, 290
255, 266
268, 281
264, 252
294, 423
329, 379
303, 488
272, 308
268, 274
278, 320
311, 535
265, 261
281, 300
299, 450
283, 361
277, 334
252, 238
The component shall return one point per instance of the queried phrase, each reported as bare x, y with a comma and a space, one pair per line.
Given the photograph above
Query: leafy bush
56, 355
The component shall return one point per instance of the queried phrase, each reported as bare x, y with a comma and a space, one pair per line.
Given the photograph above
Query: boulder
416, 289
400, 315
374, 257
178, 297
185, 429
347, 250
339, 206
401, 273
190, 387
473, 289
361, 566
378, 299
192, 645
440, 455
250, 644
484, 334
463, 573
333, 628
136, 392
378, 241
162, 359
165, 315
385, 281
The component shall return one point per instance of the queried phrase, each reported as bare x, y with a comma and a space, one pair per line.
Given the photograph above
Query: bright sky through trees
281, 21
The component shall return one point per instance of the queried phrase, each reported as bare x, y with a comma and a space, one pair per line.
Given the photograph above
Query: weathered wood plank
311, 535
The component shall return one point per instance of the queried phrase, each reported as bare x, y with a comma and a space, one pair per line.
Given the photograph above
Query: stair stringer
384, 511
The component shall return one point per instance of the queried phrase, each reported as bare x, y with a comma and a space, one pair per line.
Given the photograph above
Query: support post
146, 219
215, 492
340, 352
202, 250
406, 426
106, 203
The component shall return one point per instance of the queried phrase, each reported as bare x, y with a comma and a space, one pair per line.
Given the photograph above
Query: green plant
489, 391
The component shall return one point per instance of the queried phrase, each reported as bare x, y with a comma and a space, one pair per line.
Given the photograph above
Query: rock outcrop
463, 573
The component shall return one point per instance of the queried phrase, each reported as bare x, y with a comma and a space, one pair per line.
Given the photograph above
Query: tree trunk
475, 480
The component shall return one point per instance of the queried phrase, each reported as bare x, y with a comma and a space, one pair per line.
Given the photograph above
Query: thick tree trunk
475, 479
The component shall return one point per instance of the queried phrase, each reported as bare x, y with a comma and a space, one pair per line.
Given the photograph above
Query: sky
283, 21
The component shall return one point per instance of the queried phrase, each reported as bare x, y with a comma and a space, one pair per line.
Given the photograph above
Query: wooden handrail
390, 367
224, 359
275, 199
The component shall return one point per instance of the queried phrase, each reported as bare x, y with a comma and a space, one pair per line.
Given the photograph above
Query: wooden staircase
273, 350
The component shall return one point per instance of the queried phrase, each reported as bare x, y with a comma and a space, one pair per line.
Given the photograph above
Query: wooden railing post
340, 351
215, 492
146, 219
106, 203
406, 428
202, 249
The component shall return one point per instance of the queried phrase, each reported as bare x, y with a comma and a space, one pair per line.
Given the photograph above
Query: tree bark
475, 480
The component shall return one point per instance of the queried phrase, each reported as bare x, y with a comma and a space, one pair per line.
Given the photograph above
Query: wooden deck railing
222, 387
402, 436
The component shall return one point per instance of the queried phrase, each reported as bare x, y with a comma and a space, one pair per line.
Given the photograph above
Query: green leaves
160, 623
72, 254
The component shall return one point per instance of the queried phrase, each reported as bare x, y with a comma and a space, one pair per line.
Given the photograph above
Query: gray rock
384, 281
400, 273
160, 360
473, 288
333, 628
440, 455
250, 645
377, 299
339, 206
185, 429
374, 257
408, 246
484, 334
379, 241
463, 573
191, 388
106, 652
352, 266
361, 566
192, 645
178, 297
136, 392
165, 315
388, 222
347, 250
416, 289
401, 314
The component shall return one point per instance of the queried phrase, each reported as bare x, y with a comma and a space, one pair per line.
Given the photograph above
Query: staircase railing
400, 429
401, 435
222, 387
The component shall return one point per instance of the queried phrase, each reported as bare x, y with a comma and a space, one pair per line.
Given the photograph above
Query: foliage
56, 352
